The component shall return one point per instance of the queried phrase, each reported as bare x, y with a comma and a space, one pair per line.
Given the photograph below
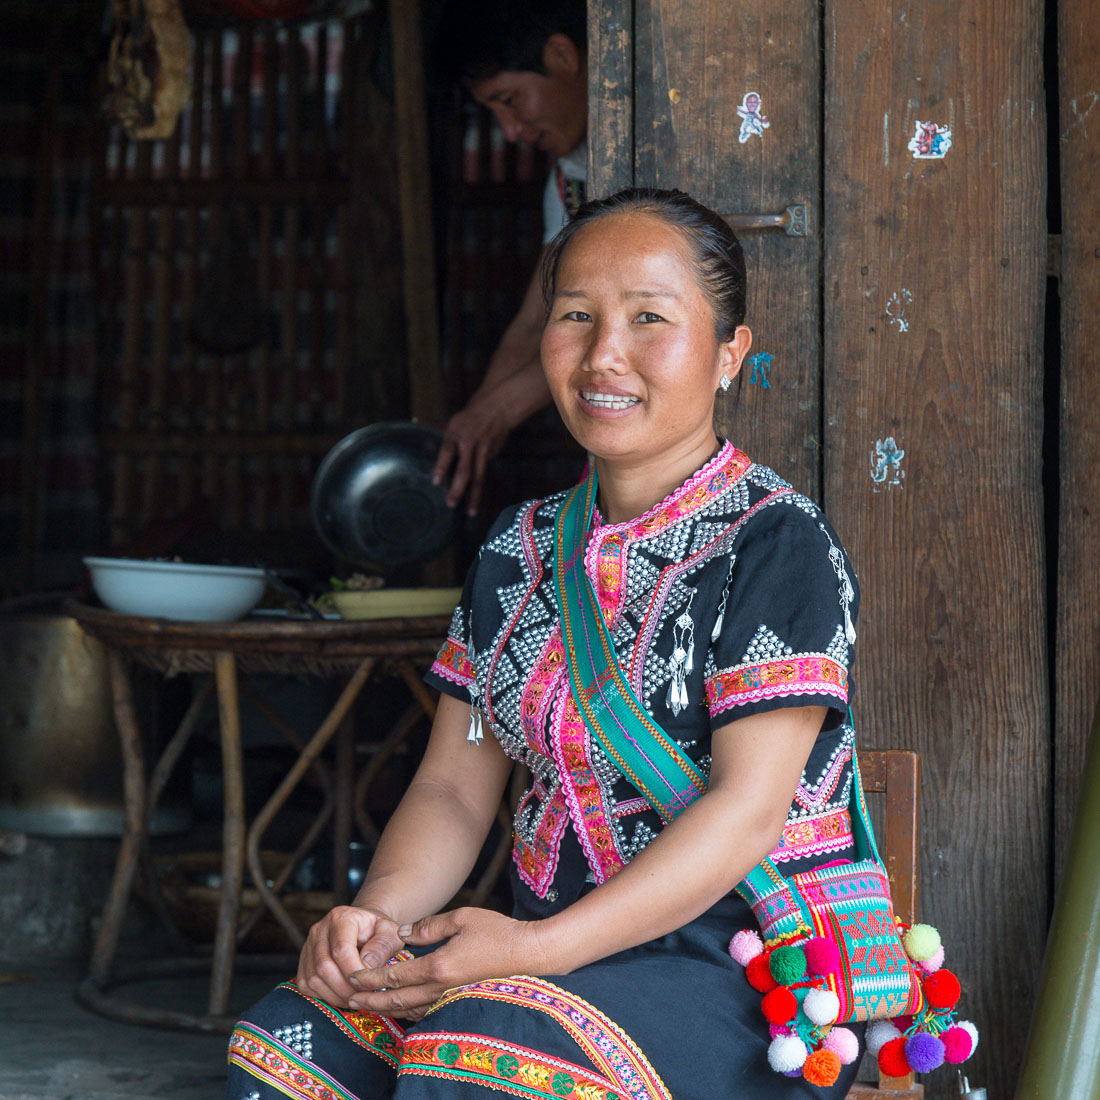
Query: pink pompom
930, 966
822, 955
745, 946
972, 1031
957, 1045
775, 1030
843, 1043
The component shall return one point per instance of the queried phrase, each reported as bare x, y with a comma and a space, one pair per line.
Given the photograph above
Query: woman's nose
605, 352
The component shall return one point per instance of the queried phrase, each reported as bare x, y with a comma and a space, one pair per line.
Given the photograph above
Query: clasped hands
345, 956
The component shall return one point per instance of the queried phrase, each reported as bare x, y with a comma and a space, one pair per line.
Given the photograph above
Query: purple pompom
924, 1052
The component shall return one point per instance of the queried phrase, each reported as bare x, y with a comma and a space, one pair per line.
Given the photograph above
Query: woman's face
629, 347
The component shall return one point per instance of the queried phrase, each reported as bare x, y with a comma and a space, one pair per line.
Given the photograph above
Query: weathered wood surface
932, 330
694, 64
610, 97
1077, 665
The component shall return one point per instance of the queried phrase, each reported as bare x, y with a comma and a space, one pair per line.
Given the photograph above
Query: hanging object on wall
930, 141
149, 67
753, 120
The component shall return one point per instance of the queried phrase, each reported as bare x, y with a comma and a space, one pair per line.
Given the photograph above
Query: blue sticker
761, 363
886, 458
895, 309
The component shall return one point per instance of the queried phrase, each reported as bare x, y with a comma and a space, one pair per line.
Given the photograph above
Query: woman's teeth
609, 400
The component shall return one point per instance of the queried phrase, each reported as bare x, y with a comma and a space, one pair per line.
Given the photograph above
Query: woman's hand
480, 944
339, 945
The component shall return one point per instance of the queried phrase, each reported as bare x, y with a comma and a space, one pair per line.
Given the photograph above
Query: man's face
547, 110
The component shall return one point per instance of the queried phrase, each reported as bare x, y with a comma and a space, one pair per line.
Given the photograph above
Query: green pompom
787, 964
921, 942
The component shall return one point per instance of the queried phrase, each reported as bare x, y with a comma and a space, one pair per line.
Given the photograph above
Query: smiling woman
666, 649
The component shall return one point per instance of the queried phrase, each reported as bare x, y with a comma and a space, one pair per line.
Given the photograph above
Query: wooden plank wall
693, 64
933, 320
1077, 665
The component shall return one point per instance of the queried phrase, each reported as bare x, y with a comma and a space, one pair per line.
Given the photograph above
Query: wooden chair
896, 775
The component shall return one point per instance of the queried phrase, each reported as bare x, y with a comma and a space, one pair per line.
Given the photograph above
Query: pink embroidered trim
453, 664
815, 799
813, 836
537, 863
810, 674
605, 1043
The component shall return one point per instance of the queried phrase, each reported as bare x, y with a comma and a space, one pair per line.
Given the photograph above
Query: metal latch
793, 221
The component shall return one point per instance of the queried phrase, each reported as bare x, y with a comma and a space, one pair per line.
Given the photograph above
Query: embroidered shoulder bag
830, 949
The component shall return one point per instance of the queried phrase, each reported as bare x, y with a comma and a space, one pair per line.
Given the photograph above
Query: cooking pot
373, 501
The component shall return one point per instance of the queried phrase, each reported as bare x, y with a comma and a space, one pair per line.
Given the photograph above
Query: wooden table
352, 652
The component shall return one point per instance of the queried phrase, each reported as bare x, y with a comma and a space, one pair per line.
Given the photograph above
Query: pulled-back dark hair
715, 250
476, 39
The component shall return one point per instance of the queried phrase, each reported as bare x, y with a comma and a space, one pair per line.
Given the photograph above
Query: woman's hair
715, 250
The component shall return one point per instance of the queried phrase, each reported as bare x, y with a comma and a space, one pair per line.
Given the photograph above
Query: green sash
615, 716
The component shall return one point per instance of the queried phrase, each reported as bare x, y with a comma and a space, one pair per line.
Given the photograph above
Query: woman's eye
648, 318
576, 315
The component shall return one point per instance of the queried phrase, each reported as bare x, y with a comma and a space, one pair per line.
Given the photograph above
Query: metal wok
373, 501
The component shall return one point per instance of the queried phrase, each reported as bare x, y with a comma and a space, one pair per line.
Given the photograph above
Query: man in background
527, 63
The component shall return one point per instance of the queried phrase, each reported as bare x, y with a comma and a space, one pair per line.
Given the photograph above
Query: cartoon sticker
753, 120
886, 456
930, 141
761, 363
895, 309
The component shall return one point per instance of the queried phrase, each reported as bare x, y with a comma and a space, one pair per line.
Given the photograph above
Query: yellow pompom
921, 942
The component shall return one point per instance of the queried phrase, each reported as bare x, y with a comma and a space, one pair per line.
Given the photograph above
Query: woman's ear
732, 352
561, 56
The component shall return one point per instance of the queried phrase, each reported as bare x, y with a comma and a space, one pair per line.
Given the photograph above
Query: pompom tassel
822, 1006
924, 1052
879, 1034
957, 1045
822, 955
892, 1060
921, 942
787, 1053
745, 946
942, 990
821, 1068
972, 1031
843, 1043
759, 974
779, 1006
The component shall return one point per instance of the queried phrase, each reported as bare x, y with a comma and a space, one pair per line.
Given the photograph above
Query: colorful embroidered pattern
806, 837
603, 1041
265, 1057
452, 663
805, 674
506, 1067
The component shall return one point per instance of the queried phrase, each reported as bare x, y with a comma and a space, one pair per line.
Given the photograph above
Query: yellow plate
396, 603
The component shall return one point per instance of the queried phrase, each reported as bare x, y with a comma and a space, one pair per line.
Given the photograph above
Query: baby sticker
753, 120
930, 142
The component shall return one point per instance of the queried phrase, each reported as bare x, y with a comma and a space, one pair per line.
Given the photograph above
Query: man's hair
476, 39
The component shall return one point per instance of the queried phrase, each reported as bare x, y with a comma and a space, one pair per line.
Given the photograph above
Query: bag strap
636, 744
614, 714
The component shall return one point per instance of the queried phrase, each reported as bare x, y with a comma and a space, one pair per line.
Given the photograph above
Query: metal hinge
794, 221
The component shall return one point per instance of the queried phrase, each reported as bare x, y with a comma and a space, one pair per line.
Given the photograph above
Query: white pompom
822, 1006
972, 1031
879, 1034
786, 1053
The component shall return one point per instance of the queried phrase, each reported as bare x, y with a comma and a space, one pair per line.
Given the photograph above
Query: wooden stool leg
233, 832
134, 819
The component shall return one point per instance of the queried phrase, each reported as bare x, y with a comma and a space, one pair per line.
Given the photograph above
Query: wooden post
610, 97
414, 194
1077, 664
933, 416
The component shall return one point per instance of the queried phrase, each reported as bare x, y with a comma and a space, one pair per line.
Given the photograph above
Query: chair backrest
895, 774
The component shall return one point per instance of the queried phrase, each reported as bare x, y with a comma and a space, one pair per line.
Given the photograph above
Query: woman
730, 606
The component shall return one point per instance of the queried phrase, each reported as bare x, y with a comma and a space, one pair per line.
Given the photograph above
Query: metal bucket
60, 761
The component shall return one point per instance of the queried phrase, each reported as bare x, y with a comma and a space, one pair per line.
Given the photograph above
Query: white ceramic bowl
176, 590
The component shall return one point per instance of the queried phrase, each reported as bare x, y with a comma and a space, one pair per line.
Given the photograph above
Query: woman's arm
425, 854
694, 861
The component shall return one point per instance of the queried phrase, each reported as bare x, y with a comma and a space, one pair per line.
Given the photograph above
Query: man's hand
472, 437
479, 944
341, 943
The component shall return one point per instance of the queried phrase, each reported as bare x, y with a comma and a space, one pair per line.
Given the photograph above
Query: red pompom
759, 974
892, 1060
957, 1044
822, 955
941, 990
821, 1068
902, 1023
779, 1006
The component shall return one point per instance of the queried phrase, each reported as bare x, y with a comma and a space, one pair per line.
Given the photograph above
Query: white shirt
574, 165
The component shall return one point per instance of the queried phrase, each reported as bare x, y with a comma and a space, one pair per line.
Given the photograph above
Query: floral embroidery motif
452, 664
806, 837
607, 1046
805, 674
503, 1066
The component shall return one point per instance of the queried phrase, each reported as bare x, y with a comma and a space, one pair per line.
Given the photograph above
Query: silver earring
724, 382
